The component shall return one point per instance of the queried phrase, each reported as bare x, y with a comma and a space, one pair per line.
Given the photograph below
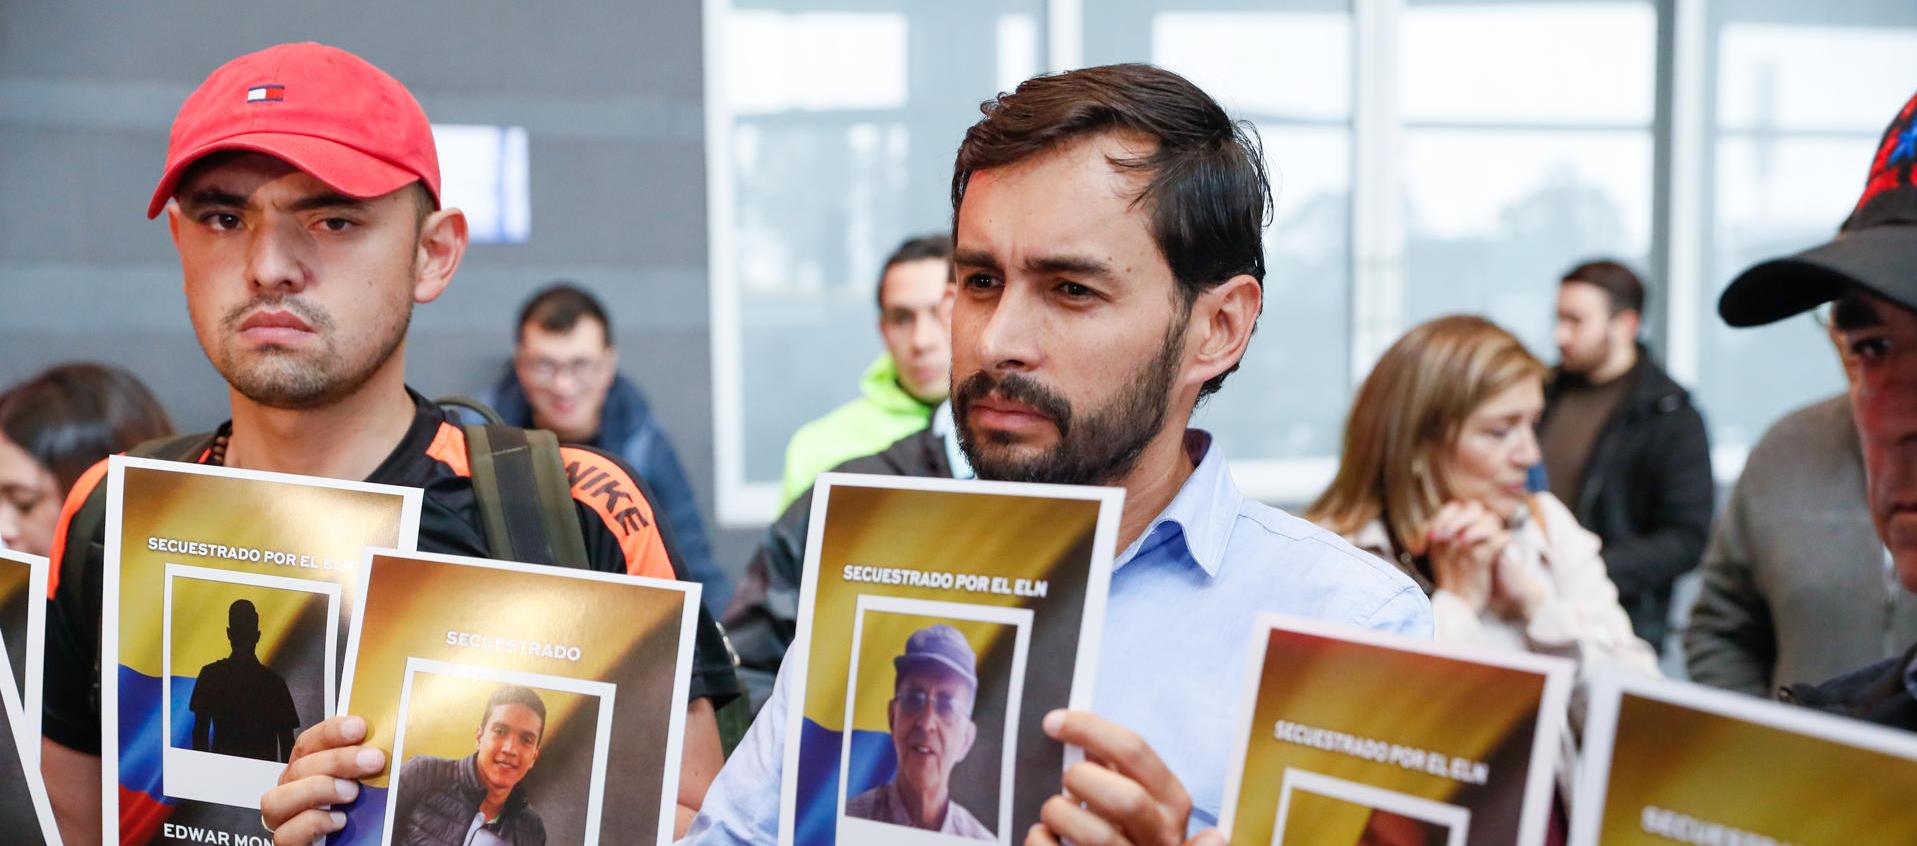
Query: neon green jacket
882, 414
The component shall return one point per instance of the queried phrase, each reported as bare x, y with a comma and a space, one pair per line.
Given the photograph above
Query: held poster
550, 700
939, 622
25, 816
1668, 762
23, 626
1353, 737
227, 598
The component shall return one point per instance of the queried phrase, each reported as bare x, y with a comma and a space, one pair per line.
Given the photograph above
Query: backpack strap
465, 403
525, 501
175, 447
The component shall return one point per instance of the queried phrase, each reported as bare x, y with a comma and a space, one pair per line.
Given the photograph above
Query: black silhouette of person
240, 706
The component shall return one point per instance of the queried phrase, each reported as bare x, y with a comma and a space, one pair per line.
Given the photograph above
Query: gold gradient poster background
627, 634
1463, 709
1722, 770
968, 531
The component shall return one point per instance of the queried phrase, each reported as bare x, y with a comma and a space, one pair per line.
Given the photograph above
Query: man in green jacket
900, 389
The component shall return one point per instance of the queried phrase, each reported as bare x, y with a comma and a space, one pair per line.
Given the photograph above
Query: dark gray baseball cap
1876, 249
939, 646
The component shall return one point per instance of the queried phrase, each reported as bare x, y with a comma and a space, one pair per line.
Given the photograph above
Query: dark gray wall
610, 94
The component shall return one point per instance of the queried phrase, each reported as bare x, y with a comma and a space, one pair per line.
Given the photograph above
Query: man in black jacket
1623, 446
763, 617
1870, 270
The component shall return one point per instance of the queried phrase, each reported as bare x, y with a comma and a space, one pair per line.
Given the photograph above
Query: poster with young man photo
517, 683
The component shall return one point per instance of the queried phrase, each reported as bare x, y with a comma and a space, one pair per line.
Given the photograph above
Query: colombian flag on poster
226, 597
978, 602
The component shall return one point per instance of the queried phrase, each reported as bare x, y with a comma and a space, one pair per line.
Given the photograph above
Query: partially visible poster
1350, 738
227, 594
25, 816
548, 701
1671, 762
23, 628
939, 622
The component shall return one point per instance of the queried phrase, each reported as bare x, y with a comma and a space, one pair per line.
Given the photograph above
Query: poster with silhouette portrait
939, 622
251, 660
502, 690
1349, 737
1674, 762
227, 595
23, 628
26, 818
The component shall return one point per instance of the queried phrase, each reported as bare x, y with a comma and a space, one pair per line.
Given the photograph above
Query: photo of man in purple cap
932, 731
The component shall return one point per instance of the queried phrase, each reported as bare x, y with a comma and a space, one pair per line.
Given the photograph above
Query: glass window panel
814, 61
1289, 72
1778, 76
483, 172
1289, 396
1529, 62
1494, 216
1295, 64
1017, 50
843, 127
1801, 94
1774, 197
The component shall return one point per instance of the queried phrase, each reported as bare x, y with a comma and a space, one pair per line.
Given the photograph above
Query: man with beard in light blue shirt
1110, 271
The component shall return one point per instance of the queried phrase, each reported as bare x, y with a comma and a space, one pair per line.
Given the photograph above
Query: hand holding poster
1353, 737
939, 622
551, 701
23, 626
225, 595
1673, 763
25, 816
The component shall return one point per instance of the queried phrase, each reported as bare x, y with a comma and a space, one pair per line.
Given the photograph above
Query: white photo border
1608, 687
36, 786
226, 779
1091, 620
117, 468
1456, 819
1559, 675
34, 684
605, 692
682, 669
856, 832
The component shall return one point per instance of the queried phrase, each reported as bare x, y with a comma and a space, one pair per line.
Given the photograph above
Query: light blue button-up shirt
1185, 599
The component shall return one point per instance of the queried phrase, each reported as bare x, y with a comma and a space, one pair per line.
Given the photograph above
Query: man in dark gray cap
932, 731
1870, 270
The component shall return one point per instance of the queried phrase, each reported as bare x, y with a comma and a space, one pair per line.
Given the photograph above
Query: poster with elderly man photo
940, 622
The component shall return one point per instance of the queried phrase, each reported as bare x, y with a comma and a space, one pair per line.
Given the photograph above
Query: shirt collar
945, 428
1910, 673
1200, 516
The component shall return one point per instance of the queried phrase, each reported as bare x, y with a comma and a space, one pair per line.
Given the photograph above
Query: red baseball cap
318, 108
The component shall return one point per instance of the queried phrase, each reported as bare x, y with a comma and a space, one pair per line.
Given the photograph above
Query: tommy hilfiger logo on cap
266, 94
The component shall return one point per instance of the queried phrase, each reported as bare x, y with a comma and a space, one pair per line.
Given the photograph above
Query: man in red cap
302, 191
1870, 270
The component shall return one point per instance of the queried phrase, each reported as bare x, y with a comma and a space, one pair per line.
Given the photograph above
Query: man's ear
1221, 322
967, 737
1630, 322
442, 243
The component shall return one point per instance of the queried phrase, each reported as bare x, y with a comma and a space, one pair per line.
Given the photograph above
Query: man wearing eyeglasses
565, 378
932, 731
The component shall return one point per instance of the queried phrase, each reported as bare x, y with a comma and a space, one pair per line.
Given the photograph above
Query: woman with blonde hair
1437, 451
